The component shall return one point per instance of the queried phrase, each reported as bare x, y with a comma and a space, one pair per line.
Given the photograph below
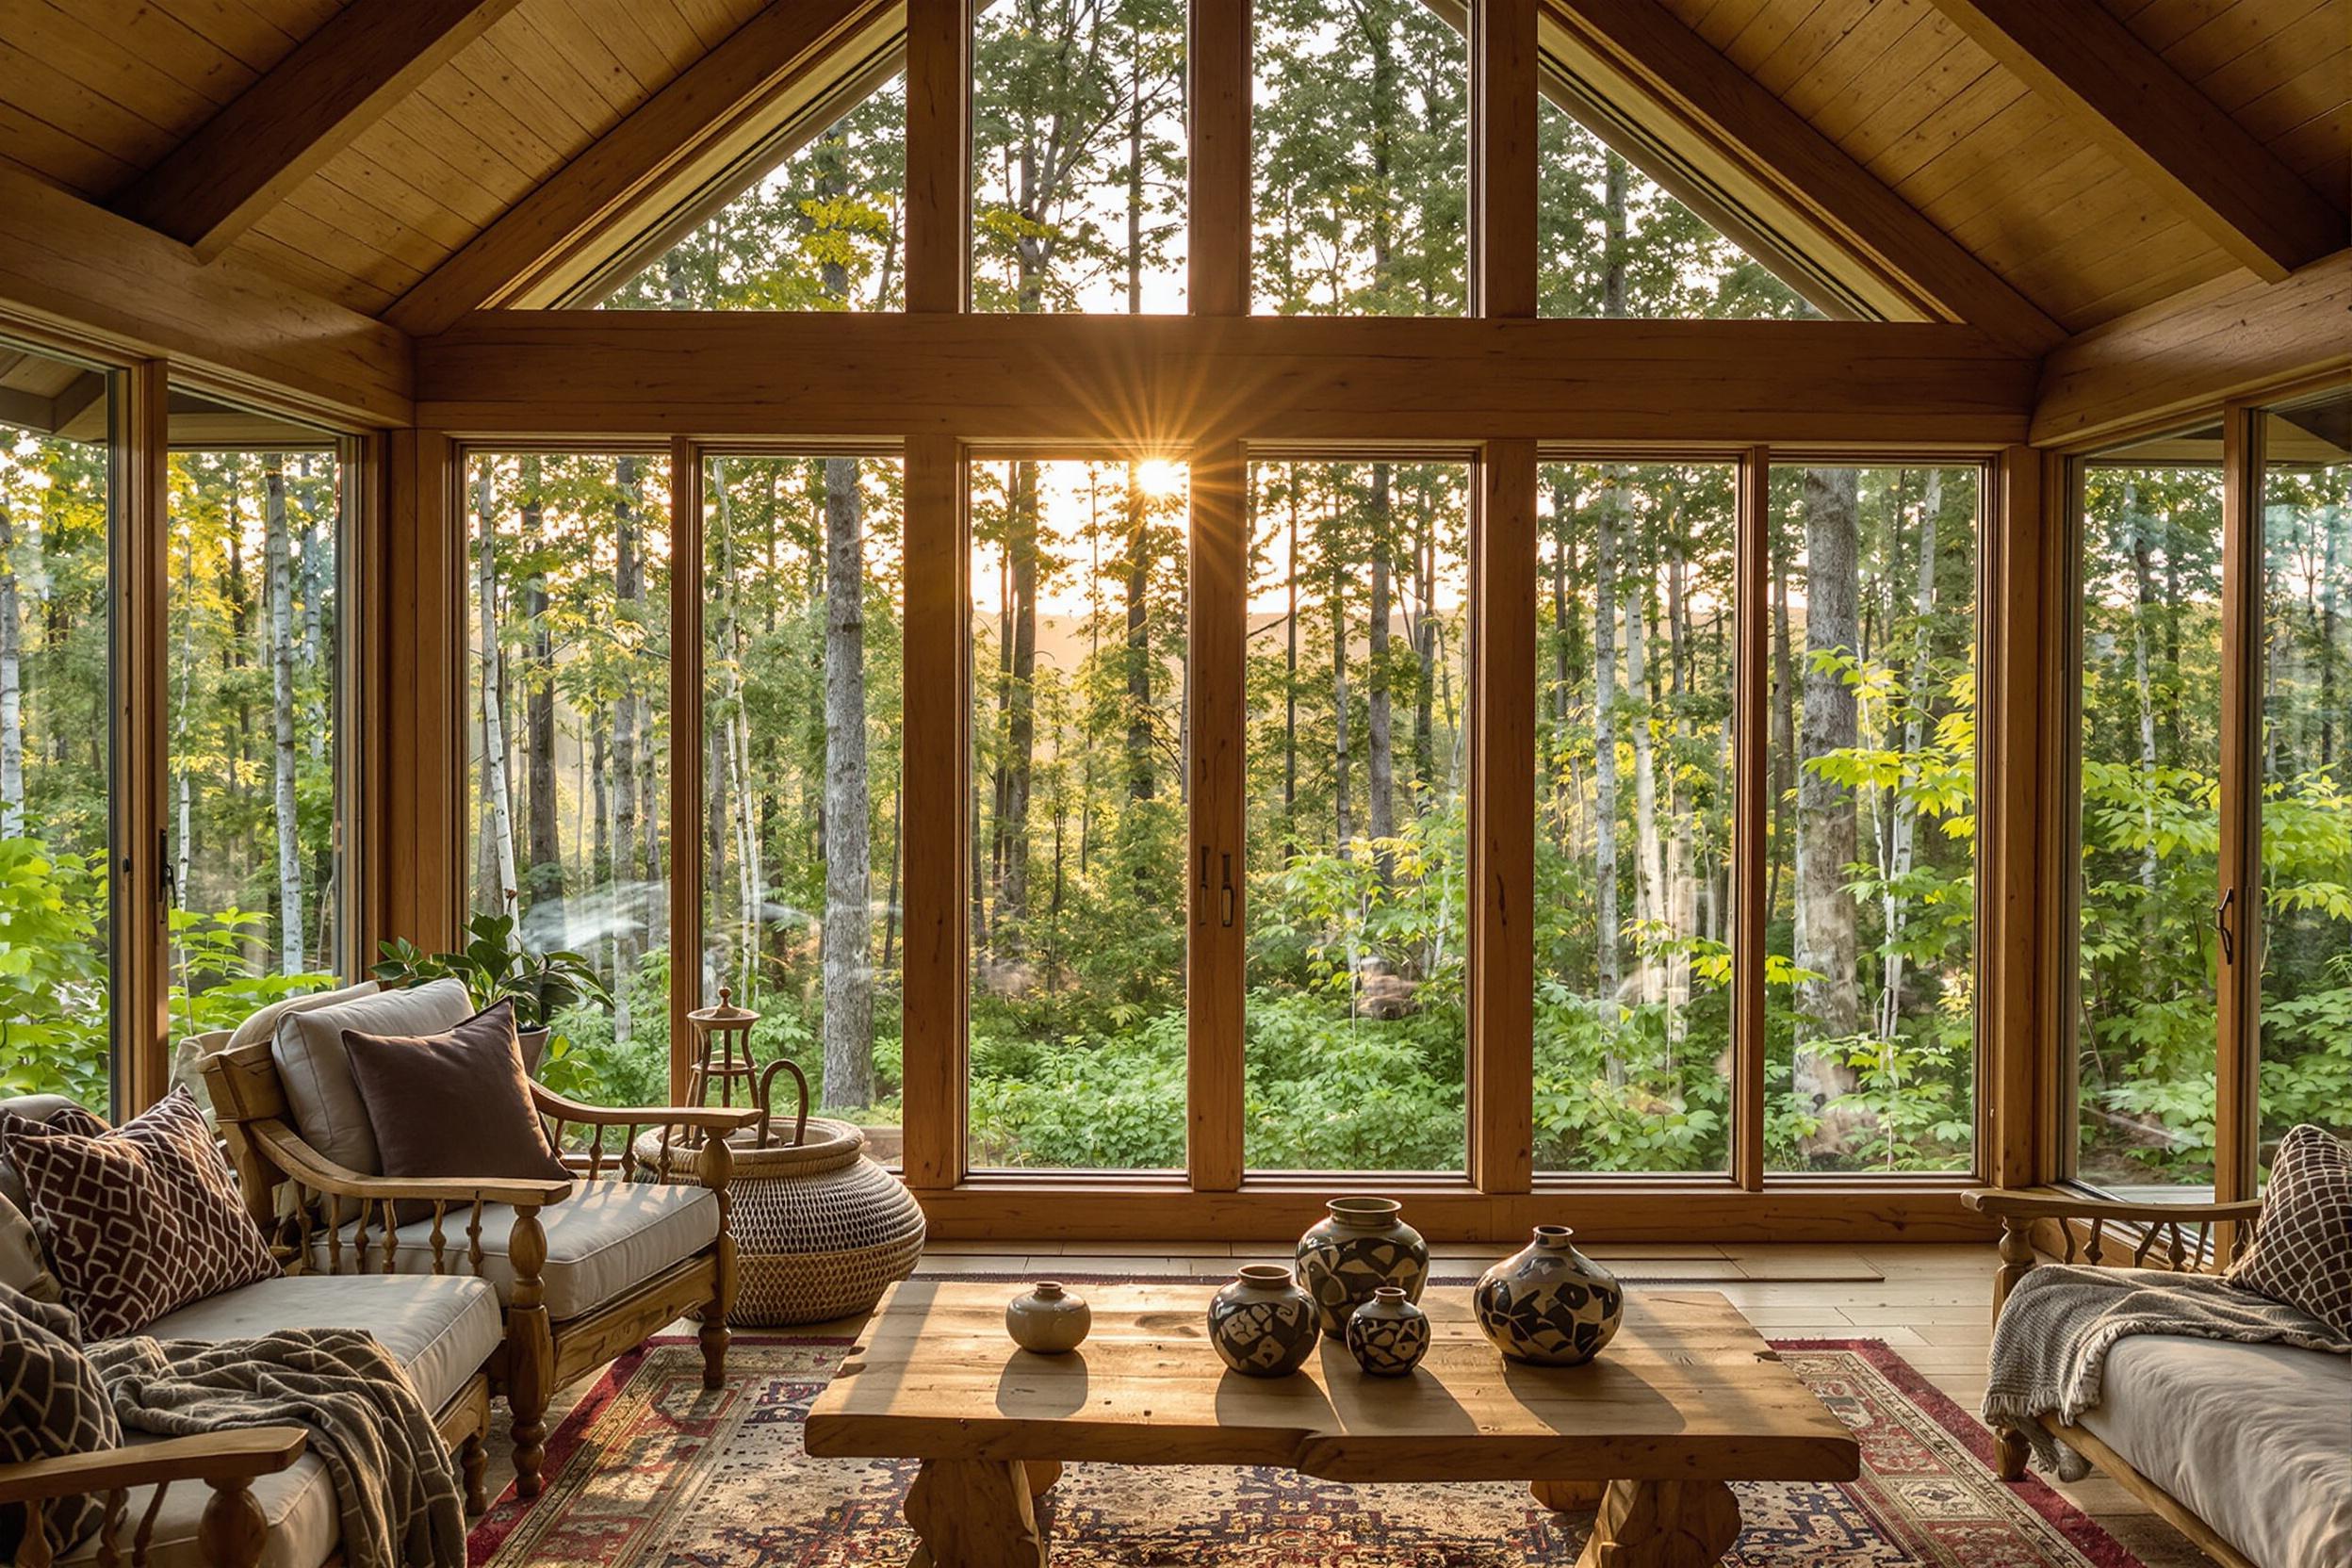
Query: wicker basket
821, 1231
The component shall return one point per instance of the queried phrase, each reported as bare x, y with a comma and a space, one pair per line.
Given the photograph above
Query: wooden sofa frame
232, 1532
538, 1356
2184, 1239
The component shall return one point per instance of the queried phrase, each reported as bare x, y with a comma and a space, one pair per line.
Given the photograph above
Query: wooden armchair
233, 1529
326, 1217
2182, 1238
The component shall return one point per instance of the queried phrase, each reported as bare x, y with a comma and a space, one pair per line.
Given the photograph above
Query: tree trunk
1606, 919
1895, 909
279, 564
543, 877
11, 686
1827, 827
846, 956
1379, 780
1649, 856
494, 755
1141, 783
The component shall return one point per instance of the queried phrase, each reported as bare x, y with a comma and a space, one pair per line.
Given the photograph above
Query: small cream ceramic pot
1048, 1320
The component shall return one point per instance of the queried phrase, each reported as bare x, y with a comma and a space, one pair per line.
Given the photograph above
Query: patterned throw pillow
140, 1220
2302, 1252
51, 1404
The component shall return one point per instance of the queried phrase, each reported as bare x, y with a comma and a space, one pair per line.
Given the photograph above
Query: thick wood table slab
1686, 1398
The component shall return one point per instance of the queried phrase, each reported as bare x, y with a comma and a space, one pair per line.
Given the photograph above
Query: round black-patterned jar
1361, 1247
1549, 1304
1263, 1325
1388, 1335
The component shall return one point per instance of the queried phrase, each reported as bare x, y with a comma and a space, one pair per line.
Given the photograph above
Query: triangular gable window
1610, 242
820, 227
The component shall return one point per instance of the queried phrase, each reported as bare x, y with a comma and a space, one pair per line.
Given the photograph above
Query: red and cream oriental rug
651, 1471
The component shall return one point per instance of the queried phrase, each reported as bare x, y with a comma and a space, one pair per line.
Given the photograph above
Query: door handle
2221, 925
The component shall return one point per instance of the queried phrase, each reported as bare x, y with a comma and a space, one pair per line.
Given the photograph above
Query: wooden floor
1932, 1304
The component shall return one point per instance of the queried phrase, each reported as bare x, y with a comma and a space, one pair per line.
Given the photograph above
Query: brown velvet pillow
456, 1103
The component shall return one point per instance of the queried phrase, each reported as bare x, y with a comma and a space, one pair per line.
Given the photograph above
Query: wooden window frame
2237, 1063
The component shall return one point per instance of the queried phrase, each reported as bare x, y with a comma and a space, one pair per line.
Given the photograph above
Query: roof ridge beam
283, 128
2127, 98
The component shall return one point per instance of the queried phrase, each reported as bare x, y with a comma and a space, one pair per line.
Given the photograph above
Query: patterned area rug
648, 1471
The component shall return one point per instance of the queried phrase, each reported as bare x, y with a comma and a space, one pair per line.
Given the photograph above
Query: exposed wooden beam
2184, 356
1738, 123
309, 107
711, 115
1157, 384
938, 155
2097, 71
76, 267
1218, 86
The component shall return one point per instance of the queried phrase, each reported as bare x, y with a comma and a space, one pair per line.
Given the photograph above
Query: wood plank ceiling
95, 92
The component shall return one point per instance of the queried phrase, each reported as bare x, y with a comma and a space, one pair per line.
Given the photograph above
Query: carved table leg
974, 1513
2010, 1452
1568, 1496
1662, 1525
474, 1461
1043, 1473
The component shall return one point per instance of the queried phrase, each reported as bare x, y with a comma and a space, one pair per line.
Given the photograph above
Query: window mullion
2238, 917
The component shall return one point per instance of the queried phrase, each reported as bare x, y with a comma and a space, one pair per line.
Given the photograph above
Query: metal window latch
2221, 925
1200, 904
167, 881
1225, 900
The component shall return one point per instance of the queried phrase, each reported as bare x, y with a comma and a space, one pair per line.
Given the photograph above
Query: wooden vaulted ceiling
2037, 168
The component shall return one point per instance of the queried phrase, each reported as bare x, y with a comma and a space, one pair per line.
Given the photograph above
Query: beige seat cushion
2255, 1440
603, 1241
299, 1503
440, 1330
308, 1048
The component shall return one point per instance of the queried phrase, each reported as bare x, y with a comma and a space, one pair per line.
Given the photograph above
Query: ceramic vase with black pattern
1388, 1335
1360, 1246
1263, 1325
1549, 1305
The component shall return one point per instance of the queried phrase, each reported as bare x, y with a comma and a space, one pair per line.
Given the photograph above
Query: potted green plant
496, 965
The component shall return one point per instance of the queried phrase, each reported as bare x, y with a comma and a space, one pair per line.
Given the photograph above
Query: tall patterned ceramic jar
1549, 1304
1361, 1245
1263, 1325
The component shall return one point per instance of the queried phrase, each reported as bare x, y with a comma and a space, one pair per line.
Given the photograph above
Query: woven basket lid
828, 1145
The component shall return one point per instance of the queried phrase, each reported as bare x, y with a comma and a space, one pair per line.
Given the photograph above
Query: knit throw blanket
2051, 1343
395, 1486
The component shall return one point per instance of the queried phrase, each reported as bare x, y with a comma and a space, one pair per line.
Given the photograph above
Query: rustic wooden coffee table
1687, 1398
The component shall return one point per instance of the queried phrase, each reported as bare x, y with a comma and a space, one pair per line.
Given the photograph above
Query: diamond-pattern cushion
51, 1404
2302, 1252
138, 1220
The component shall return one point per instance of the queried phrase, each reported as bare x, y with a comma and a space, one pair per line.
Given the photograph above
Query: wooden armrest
239, 1454
2047, 1203
725, 1119
290, 1153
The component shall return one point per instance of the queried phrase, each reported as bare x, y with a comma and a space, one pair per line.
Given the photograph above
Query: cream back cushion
308, 1048
264, 1025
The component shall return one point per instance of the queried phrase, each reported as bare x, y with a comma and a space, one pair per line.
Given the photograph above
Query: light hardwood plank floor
1931, 1303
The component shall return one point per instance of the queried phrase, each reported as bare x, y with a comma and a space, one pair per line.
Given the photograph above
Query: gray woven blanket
2051, 1343
395, 1486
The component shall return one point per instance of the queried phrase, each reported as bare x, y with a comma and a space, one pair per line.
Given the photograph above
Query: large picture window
2150, 768
568, 831
57, 733
2306, 1039
1633, 837
253, 711
1078, 688
1357, 695
1871, 860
